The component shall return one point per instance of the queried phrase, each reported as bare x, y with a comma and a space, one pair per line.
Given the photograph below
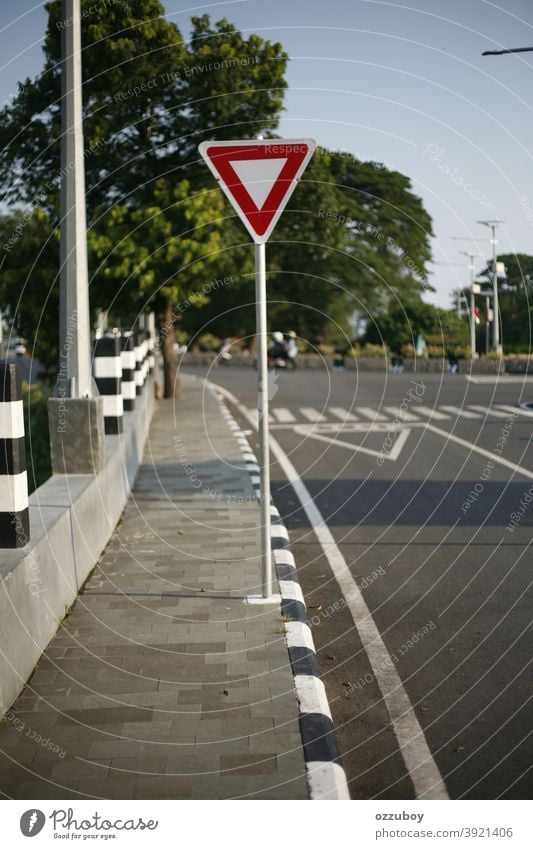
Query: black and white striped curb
326, 778
14, 512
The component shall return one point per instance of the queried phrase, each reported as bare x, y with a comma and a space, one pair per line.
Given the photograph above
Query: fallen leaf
225, 693
315, 607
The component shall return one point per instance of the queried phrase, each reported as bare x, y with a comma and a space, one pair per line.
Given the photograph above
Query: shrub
37, 440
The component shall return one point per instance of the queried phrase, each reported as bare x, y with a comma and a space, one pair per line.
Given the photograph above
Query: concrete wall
71, 519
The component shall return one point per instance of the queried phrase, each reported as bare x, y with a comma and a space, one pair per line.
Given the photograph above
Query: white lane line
393, 454
422, 769
477, 450
283, 415
342, 414
489, 411
370, 413
498, 379
515, 410
431, 413
404, 415
311, 414
460, 411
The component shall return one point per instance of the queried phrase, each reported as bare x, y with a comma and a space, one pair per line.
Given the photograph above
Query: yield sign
258, 177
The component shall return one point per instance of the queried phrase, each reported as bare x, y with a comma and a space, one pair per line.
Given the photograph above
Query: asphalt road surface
420, 600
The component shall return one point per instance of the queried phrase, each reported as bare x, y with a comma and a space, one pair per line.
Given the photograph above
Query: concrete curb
326, 779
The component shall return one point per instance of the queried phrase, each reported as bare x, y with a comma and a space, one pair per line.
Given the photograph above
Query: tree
399, 325
353, 236
149, 98
515, 301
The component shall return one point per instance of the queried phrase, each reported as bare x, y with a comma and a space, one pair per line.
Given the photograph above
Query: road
421, 601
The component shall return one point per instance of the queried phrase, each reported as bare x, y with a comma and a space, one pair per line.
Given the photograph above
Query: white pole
496, 306
75, 367
472, 309
262, 412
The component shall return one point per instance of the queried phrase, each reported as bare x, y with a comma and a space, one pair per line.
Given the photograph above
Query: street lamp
474, 289
496, 325
509, 50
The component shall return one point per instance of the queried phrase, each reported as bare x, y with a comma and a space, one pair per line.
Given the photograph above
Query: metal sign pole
262, 413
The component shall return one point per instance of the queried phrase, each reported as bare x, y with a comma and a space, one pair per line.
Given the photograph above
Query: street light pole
495, 305
74, 322
471, 258
75, 411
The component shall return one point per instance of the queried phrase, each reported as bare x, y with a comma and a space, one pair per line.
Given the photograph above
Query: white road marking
489, 411
498, 379
393, 454
515, 410
460, 411
431, 413
370, 413
471, 447
311, 414
282, 414
342, 414
423, 770
403, 415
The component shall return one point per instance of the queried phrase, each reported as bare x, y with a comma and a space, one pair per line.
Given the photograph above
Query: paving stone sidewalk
162, 682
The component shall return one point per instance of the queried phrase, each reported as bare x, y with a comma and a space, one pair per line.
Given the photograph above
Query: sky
401, 83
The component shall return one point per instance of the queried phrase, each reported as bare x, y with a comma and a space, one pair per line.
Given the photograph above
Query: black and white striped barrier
150, 321
146, 355
14, 513
107, 372
326, 778
138, 339
127, 358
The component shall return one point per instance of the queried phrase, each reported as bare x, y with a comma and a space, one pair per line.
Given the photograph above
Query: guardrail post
14, 512
151, 340
107, 370
127, 357
138, 337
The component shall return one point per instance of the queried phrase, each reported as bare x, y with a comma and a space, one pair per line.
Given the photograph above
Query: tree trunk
172, 383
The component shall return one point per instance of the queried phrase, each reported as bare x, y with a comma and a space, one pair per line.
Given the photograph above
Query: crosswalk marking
342, 414
311, 414
460, 411
431, 413
283, 415
489, 411
403, 415
515, 410
370, 413
286, 416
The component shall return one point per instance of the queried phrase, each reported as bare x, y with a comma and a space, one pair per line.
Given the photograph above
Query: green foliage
399, 326
36, 429
516, 302
149, 96
354, 235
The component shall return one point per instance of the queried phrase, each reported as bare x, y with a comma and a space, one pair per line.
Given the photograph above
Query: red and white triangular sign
258, 177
